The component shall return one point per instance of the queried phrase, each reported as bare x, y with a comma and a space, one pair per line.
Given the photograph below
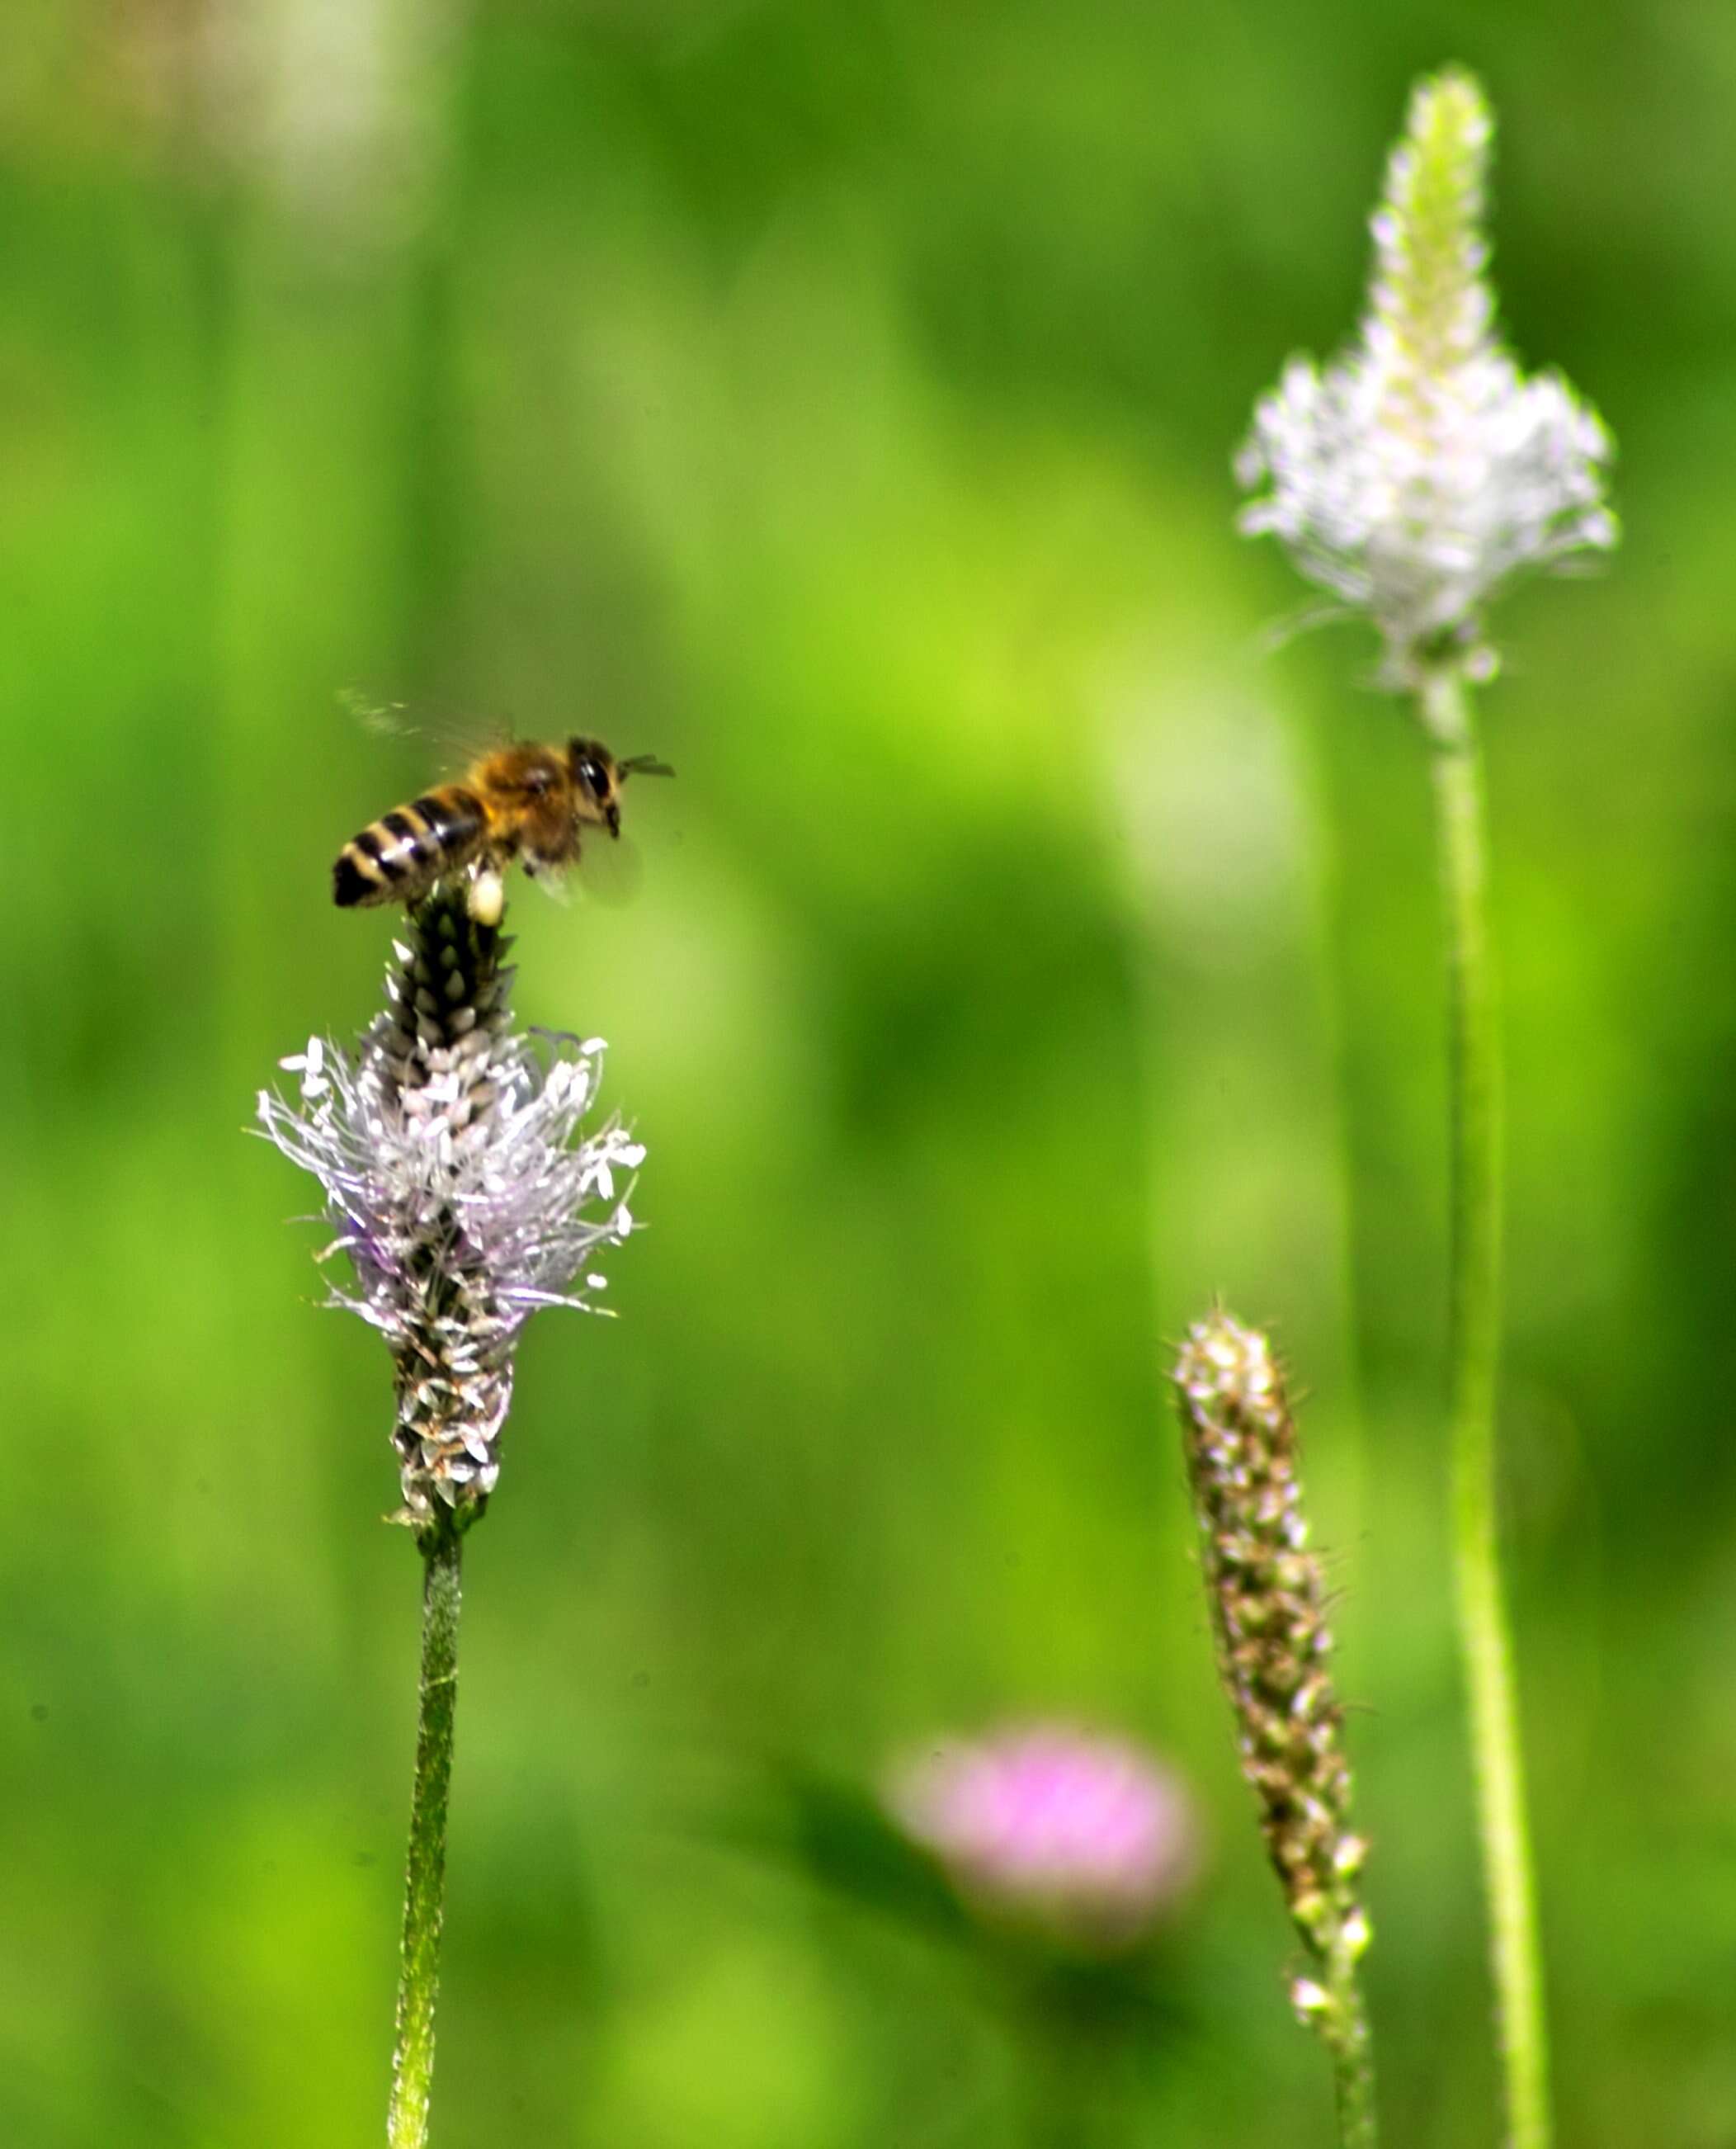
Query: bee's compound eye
594, 777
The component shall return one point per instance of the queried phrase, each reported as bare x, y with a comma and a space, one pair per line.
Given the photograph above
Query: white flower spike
450, 1152
1423, 469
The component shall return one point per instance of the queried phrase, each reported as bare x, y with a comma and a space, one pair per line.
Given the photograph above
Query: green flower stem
1063, 2094
1484, 1634
425, 1873
1079, 2070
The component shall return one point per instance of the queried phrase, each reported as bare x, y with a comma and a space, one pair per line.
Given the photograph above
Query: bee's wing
552, 879
610, 872
462, 737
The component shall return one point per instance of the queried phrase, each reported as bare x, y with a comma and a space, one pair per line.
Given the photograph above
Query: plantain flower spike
1422, 470
446, 1145
1268, 1603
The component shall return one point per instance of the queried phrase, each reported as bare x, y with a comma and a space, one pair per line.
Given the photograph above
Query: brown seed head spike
1268, 1599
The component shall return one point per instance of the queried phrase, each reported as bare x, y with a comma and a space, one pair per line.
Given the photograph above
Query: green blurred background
838, 400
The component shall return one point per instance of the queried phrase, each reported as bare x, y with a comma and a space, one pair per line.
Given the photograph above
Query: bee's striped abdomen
397, 857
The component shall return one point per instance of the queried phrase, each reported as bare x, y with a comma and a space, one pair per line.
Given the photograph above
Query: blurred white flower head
1086, 1832
1420, 469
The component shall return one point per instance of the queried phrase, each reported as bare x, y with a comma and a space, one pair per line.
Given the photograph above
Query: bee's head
597, 777
596, 782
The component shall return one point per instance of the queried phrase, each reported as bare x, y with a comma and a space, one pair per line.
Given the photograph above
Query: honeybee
524, 801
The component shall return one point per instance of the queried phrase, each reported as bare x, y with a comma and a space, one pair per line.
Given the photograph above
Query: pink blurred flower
1086, 1832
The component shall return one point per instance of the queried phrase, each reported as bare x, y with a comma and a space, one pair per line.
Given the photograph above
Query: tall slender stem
425, 1873
1484, 1630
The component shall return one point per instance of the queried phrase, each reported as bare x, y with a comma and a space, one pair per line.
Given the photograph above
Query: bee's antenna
643, 764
